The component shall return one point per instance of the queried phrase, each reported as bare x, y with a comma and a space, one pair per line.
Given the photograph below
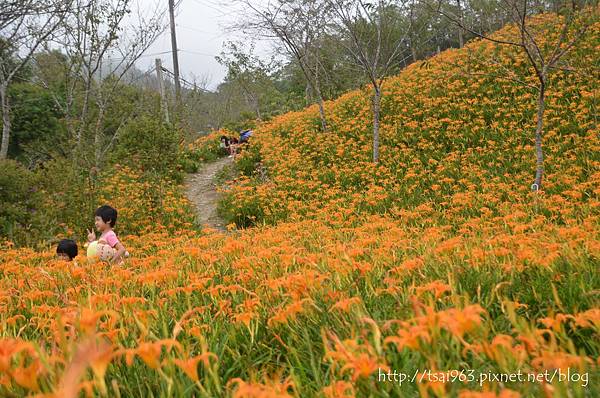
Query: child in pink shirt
105, 218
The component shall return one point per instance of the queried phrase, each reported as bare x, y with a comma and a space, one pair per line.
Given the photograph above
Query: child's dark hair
107, 214
68, 247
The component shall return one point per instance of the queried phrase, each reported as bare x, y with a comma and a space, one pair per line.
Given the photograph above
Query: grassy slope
446, 138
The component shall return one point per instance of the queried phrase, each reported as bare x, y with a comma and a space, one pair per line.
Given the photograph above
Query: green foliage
243, 213
128, 101
205, 149
37, 132
249, 159
18, 200
10, 61
52, 68
254, 84
146, 143
146, 201
69, 199
227, 173
53, 201
245, 121
191, 160
187, 163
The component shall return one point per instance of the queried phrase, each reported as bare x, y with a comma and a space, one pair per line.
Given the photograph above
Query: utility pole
163, 99
174, 50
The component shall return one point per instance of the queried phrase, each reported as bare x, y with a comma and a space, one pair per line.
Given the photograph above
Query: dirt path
201, 190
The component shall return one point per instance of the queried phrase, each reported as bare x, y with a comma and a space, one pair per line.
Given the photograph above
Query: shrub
145, 202
187, 163
35, 120
150, 145
19, 200
248, 160
68, 200
207, 148
247, 120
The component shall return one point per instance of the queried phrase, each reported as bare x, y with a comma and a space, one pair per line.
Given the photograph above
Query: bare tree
298, 25
102, 41
247, 70
376, 40
424, 29
543, 56
195, 105
24, 27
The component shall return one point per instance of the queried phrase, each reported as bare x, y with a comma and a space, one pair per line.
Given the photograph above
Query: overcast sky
201, 33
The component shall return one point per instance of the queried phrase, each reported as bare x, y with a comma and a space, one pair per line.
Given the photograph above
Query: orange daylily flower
339, 389
190, 365
28, 376
150, 352
11, 347
345, 304
411, 338
506, 393
271, 389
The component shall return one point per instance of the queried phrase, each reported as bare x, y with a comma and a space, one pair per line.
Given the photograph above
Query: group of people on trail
232, 145
106, 248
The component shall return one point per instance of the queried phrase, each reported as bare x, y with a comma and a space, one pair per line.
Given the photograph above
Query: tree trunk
539, 154
5, 122
98, 137
307, 95
320, 97
376, 111
321, 106
315, 87
320, 103
322, 113
252, 100
460, 29
257, 107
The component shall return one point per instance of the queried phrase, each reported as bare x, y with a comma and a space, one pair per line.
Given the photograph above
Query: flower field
457, 141
438, 262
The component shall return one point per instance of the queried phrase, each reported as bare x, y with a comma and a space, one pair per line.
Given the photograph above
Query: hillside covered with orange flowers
436, 272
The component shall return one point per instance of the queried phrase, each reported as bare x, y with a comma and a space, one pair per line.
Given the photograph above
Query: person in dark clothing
225, 144
67, 249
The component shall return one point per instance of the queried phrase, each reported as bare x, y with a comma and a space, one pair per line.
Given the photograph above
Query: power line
154, 54
194, 29
221, 13
197, 52
211, 38
142, 75
190, 85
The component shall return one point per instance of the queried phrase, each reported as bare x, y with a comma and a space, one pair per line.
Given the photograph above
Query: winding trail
202, 192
